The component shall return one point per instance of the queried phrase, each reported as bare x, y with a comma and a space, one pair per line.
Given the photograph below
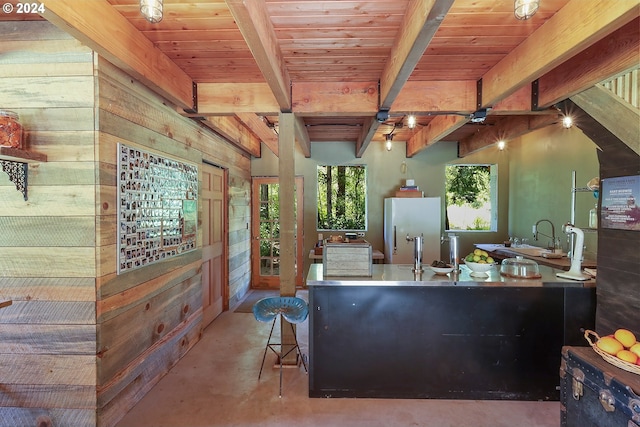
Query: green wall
533, 183
540, 165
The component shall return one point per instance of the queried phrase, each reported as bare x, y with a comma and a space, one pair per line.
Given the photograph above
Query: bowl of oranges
620, 348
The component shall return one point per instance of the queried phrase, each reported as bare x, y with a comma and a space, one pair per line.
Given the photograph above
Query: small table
376, 255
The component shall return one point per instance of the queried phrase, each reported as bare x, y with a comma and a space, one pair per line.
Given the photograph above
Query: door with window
215, 293
265, 246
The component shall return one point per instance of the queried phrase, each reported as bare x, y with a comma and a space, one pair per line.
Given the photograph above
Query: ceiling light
411, 121
501, 145
525, 9
567, 122
388, 137
151, 10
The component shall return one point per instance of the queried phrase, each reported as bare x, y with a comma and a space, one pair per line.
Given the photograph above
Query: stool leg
264, 356
298, 348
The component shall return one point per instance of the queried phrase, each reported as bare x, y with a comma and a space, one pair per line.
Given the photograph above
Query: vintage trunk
595, 393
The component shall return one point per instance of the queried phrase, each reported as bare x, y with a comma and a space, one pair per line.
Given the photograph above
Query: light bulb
151, 10
567, 122
388, 145
525, 9
501, 145
411, 121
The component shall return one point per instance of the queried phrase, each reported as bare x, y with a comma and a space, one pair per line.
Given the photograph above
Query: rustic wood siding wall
48, 243
618, 282
81, 344
150, 317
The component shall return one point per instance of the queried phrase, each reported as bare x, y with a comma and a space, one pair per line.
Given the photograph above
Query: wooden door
215, 292
265, 245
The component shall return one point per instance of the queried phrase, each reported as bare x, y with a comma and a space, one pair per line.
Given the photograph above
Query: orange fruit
635, 349
627, 356
625, 337
609, 344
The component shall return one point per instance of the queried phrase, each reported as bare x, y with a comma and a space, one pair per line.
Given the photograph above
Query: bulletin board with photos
157, 207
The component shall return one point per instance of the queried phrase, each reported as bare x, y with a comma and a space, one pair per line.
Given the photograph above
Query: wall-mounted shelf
15, 163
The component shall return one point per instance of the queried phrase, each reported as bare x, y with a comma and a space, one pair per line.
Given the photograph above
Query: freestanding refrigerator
412, 217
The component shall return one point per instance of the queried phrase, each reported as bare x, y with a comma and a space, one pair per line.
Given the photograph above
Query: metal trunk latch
576, 388
607, 400
576, 383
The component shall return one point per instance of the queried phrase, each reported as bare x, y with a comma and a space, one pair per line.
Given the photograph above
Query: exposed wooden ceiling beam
230, 98
619, 117
235, 132
110, 34
264, 133
368, 131
576, 26
339, 98
436, 96
435, 131
421, 21
611, 56
252, 18
302, 136
505, 129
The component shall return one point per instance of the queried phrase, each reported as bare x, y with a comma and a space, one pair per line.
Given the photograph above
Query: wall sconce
501, 145
388, 137
151, 10
411, 121
525, 9
567, 122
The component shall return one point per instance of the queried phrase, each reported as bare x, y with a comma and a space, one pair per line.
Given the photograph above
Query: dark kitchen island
398, 335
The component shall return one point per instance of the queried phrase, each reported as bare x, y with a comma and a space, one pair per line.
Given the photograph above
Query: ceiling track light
151, 10
525, 9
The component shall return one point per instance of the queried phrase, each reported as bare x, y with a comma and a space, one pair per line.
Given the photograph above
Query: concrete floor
216, 384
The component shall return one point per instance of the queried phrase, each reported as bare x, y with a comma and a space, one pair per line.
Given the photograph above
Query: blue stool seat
291, 309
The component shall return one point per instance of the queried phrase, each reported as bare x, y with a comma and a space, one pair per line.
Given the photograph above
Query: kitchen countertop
402, 275
560, 263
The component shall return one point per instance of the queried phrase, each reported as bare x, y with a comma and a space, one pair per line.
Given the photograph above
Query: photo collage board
157, 207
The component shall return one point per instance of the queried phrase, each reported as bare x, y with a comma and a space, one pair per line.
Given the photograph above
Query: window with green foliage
471, 197
342, 198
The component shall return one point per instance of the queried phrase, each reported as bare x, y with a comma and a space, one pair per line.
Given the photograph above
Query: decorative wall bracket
18, 174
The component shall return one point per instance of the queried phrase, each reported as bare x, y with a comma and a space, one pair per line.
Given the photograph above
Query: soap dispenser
593, 217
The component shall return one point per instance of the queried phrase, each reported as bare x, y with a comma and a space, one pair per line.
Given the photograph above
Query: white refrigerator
412, 217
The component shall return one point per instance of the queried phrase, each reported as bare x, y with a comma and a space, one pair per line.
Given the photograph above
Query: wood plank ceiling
343, 66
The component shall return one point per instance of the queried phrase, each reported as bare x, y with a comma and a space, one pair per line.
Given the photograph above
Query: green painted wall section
534, 181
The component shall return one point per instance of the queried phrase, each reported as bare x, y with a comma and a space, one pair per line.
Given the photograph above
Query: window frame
366, 199
493, 198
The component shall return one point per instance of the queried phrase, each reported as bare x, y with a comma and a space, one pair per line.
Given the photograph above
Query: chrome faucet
553, 231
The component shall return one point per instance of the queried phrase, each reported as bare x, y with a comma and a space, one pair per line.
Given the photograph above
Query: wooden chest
347, 259
594, 393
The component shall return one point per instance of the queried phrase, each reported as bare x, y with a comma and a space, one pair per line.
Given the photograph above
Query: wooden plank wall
618, 281
48, 243
149, 318
81, 345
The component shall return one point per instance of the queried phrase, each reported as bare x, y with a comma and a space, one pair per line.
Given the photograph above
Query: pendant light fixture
525, 9
151, 10
388, 138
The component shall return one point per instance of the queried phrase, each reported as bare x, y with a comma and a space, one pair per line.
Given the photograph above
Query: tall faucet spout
536, 232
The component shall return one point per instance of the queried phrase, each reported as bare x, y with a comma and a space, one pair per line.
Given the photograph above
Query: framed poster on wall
619, 203
157, 207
